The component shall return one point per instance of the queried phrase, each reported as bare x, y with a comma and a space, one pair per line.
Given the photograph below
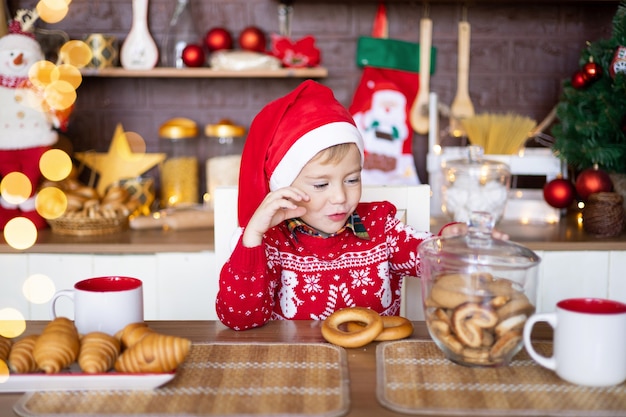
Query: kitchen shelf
163, 72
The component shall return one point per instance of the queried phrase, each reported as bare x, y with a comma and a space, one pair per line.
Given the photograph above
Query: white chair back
412, 202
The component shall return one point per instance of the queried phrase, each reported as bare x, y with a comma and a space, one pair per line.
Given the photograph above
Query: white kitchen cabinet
183, 285
13, 273
187, 286
617, 276
176, 285
567, 274
141, 266
64, 270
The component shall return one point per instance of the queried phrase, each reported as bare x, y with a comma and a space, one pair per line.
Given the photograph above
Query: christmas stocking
382, 102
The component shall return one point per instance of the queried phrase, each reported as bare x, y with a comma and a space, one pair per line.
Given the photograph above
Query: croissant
133, 333
57, 346
21, 359
98, 352
5, 348
155, 353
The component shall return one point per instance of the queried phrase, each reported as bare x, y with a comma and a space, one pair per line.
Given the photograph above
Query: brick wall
520, 52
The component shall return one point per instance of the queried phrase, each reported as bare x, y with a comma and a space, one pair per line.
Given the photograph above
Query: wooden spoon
418, 115
462, 106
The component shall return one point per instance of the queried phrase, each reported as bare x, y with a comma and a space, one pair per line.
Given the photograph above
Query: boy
309, 247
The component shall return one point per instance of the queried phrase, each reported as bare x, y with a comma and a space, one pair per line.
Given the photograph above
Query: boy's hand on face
276, 207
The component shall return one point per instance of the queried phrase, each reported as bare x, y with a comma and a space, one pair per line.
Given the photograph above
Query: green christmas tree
591, 127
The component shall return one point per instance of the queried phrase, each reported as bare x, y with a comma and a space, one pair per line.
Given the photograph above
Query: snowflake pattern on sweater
295, 276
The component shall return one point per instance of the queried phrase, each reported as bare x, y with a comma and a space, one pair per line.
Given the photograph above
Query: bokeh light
51, 203
55, 165
38, 289
52, 11
40, 73
136, 143
20, 233
60, 95
4, 372
12, 323
15, 187
34, 99
69, 73
76, 53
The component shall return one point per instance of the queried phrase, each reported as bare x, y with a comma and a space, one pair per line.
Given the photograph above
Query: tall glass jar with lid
179, 172
475, 184
182, 31
225, 142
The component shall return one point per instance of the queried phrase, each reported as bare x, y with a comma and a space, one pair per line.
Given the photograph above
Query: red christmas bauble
217, 39
593, 180
252, 39
592, 70
579, 79
559, 193
193, 56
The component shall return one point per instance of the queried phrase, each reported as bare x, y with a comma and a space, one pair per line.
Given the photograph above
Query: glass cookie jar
225, 144
179, 172
474, 184
478, 293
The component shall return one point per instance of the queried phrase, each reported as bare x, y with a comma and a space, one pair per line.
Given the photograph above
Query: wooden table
361, 361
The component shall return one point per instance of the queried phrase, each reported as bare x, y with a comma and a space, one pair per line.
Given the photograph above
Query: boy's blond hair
333, 154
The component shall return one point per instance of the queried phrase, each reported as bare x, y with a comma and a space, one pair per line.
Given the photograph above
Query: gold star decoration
120, 162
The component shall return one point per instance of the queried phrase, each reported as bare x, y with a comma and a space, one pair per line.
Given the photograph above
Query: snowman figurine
26, 132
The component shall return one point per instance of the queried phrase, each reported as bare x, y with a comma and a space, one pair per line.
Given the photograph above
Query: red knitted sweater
295, 276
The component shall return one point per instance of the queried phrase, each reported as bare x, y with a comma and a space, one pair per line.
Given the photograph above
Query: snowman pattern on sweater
302, 277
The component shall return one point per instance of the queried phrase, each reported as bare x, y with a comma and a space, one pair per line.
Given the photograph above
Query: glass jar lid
476, 166
178, 128
224, 128
477, 248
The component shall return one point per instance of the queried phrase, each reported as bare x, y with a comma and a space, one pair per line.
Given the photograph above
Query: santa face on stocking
382, 104
26, 132
385, 130
384, 126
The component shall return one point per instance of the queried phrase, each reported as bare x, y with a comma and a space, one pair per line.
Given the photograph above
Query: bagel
361, 337
394, 328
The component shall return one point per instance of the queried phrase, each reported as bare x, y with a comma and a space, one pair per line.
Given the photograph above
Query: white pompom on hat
285, 136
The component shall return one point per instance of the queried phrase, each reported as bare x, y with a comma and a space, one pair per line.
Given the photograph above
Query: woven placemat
264, 379
414, 377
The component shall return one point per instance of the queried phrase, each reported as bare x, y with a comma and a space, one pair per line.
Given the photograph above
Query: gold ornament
120, 162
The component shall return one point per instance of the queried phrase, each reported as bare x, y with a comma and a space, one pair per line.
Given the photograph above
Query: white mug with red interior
589, 341
104, 304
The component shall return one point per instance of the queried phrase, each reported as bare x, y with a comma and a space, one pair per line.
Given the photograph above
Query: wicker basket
603, 215
86, 226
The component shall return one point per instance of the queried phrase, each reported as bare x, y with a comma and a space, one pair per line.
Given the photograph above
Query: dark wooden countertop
127, 241
361, 361
567, 235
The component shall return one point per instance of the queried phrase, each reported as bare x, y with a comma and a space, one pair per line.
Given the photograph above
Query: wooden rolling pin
179, 219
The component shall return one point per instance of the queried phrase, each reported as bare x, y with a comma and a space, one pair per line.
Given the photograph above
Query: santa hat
284, 136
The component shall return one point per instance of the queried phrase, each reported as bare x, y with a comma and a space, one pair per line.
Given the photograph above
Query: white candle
433, 122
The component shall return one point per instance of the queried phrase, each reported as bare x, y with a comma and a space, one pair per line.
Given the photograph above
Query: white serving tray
77, 381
